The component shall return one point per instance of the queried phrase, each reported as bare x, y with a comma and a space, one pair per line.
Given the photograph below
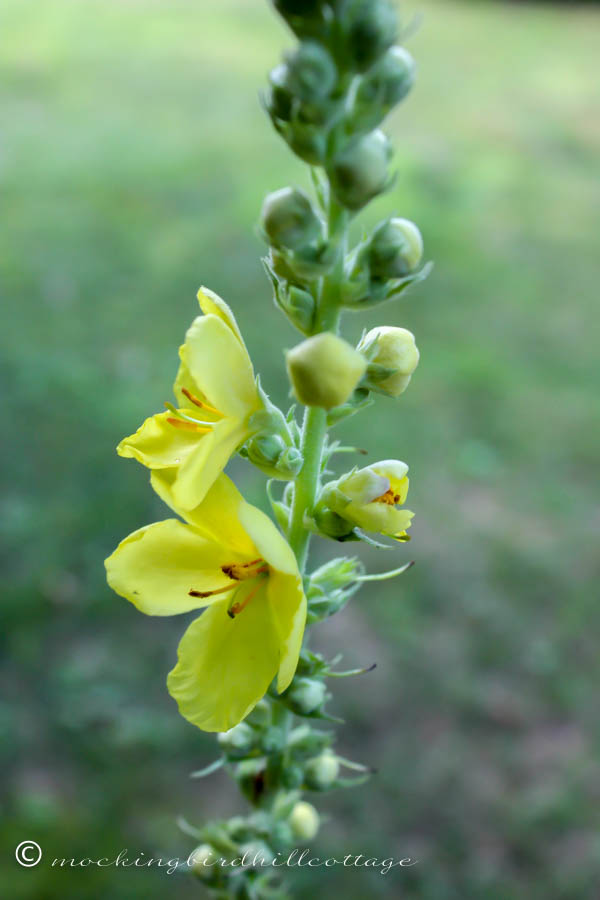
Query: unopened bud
306, 695
202, 861
373, 28
311, 72
321, 771
324, 370
360, 172
273, 456
393, 357
288, 218
238, 740
389, 81
292, 777
396, 249
304, 821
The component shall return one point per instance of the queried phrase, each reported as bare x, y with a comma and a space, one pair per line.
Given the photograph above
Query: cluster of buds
325, 370
327, 99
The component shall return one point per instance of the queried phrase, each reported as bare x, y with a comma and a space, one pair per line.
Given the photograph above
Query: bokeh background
134, 163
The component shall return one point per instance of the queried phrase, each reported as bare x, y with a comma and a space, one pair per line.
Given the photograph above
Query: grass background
135, 160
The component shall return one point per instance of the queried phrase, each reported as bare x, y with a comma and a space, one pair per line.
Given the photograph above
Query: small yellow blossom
370, 498
216, 395
230, 558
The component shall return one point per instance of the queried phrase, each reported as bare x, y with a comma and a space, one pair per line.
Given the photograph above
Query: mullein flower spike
241, 670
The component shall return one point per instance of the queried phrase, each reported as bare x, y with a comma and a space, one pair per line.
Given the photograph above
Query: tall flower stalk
243, 667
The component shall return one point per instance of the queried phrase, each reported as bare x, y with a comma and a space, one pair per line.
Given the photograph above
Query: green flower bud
304, 821
238, 829
360, 172
306, 695
288, 218
238, 741
274, 456
396, 249
373, 28
306, 141
321, 771
393, 357
311, 72
386, 84
324, 370
202, 861
292, 777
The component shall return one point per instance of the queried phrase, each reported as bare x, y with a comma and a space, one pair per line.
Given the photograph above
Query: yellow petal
221, 367
225, 665
157, 566
269, 542
379, 517
288, 608
201, 468
217, 517
184, 379
158, 444
213, 305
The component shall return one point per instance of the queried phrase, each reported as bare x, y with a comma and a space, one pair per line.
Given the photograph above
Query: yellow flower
370, 498
216, 394
231, 559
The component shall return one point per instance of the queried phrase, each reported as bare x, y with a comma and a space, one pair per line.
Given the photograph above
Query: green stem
314, 426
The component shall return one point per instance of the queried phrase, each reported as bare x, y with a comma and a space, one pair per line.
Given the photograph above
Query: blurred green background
135, 160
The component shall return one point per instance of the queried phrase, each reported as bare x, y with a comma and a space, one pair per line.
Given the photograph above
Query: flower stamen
238, 605
244, 571
193, 399
204, 594
390, 498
